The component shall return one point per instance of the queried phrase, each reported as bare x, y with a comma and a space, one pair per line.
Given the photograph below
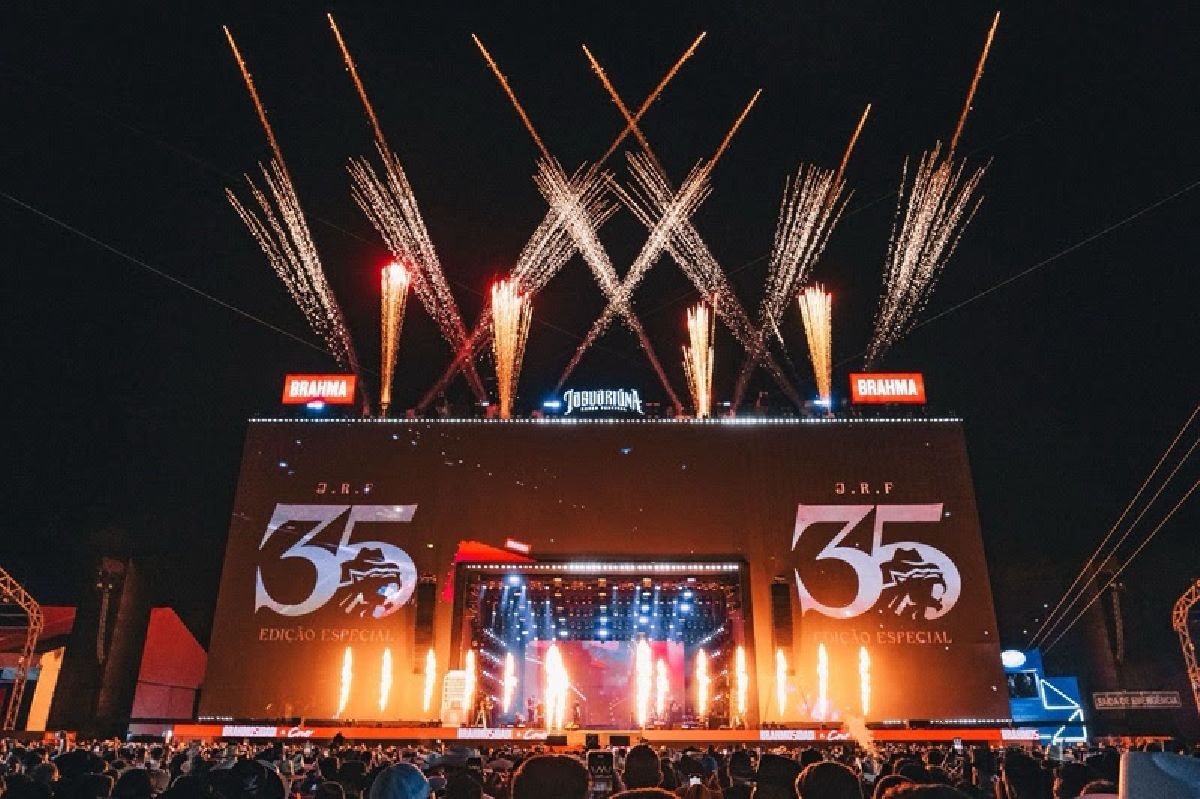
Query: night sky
127, 394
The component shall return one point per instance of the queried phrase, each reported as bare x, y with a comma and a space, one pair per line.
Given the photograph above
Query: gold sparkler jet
698, 357
816, 309
510, 325
393, 296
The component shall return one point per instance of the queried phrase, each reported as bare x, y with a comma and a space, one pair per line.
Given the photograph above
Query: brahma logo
330, 389
888, 388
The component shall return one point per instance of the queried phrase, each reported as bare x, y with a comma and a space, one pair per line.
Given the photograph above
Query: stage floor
499, 736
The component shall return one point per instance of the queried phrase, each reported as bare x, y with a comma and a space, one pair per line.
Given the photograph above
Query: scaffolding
1179, 620
18, 610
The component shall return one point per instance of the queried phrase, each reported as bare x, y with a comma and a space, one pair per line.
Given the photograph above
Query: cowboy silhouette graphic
909, 583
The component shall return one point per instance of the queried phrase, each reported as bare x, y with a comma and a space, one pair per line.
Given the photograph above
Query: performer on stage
577, 715
483, 714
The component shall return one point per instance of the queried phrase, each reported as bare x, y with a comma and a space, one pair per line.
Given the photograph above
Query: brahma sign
330, 389
880, 389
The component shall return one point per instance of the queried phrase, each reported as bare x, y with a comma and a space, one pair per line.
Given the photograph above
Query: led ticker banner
881, 389
330, 389
871, 525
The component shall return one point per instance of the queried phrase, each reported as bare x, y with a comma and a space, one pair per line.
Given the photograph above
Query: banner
871, 525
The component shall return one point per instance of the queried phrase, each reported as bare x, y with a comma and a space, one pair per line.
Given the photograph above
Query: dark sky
127, 395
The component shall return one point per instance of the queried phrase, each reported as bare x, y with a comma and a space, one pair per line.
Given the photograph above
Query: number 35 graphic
368, 577
918, 581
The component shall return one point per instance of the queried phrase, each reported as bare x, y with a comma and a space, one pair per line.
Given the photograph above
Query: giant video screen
871, 524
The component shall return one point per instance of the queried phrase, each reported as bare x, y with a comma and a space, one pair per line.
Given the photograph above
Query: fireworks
556, 689
391, 206
643, 673
930, 219
393, 294
662, 687
742, 683
702, 683
282, 233
864, 679
781, 681
509, 683
816, 308
385, 679
510, 330
346, 681
430, 680
469, 683
822, 708
698, 358
813, 202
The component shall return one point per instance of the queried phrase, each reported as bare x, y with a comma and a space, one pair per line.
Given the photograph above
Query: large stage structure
825, 570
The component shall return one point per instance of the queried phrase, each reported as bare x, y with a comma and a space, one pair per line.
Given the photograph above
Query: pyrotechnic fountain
509, 683
510, 330
346, 681
557, 688
393, 294
702, 683
385, 678
643, 675
821, 711
816, 309
741, 693
698, 358
662, 688
781, 682
864, 679
469, 684
430, 680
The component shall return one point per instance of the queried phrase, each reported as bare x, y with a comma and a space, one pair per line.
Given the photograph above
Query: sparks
816, 309
742, 690
393, 294
822, 709
698, 358
702, 683
557, 687
385, 679
930, 218
468, 694
430, 679
510, 681
282, 233
781, 682
864, 679
662, 688
510, 330
643, 670
347, 679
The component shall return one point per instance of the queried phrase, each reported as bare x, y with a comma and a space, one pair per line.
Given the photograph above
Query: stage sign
603, 400
870, 526
330, 389
873, 388
1136, 700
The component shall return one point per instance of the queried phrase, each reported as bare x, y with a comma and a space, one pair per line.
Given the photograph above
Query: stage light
552, 404
602, 633
514, 579
643, 620
1012, 658
685, 608
563, 633
315, 405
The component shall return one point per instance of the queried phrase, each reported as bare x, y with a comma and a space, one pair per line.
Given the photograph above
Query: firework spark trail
930, 218
812, 206
816, 309
687, 248
925, 232
698, 358
702, 683
391, 206
864, 679
510, 324
662, 688
547, 237
393, 294
282, 233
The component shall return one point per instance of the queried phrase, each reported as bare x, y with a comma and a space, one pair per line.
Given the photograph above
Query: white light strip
607, 567
748, 421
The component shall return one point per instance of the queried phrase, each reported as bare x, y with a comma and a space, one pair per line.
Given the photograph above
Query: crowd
119, 770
